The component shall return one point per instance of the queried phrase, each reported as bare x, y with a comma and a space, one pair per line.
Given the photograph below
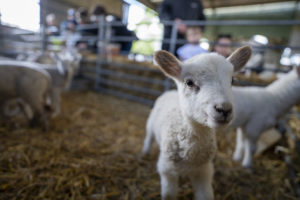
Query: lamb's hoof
236, 158
33, 123
144, 155
45, 128
248, 170
247, 166
55, 114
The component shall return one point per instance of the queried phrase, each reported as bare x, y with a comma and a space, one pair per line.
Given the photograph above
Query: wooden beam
151, 4
221, 3
218, 3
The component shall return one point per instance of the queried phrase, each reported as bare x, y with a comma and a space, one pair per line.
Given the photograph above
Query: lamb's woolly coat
184, 143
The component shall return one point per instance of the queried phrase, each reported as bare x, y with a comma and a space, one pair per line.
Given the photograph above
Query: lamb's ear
168, 63
240, 57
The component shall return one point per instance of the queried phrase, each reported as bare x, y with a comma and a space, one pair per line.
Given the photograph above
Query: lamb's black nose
225, 109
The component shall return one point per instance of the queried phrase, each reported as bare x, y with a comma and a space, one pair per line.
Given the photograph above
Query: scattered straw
92, 152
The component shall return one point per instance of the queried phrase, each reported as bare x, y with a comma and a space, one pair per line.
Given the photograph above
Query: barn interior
92, 147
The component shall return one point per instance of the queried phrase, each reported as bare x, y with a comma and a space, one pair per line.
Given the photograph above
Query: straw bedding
92, 152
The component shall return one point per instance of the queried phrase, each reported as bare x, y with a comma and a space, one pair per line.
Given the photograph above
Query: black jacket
182, 9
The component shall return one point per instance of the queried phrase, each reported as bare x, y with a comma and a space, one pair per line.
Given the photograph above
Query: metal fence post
100, 51
108, 32
44, 38
1, 34
43, 26
107, 36
173, 38
172, 48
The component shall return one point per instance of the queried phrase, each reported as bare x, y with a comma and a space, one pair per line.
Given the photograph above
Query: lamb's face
204, 84
204, 88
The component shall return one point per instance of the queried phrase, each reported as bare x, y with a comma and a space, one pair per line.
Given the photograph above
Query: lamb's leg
250, 148
202, 182
251, 133
148, 140
26, 109
168, 180
239, 146
169, 186
56, 93
41, 114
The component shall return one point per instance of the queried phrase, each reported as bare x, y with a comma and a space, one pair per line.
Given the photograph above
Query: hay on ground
92, 152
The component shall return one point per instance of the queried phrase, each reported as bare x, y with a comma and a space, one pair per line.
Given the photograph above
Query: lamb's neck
285, 93
197, 129
194, 128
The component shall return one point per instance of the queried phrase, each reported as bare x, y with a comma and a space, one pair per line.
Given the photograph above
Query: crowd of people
72, 28
168, 10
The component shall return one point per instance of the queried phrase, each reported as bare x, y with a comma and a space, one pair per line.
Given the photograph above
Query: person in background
179, 10
51, 28
223, 45
193, 36
82, 16
70, 24
117, 31
96, 12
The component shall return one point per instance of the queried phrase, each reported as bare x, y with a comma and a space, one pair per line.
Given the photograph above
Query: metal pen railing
104, 37
173, 41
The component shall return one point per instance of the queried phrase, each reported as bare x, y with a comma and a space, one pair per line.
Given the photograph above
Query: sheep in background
183, 121
61, 73
258, 109
62, 68
72, 58
60, 81
61, 76
29, 82
68, 58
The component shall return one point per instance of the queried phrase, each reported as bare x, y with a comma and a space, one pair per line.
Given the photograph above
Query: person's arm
165, 10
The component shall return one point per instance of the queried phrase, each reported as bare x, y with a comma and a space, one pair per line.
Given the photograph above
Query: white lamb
183, 121
257, 109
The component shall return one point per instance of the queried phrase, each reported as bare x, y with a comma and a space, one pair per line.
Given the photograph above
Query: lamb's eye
190, 83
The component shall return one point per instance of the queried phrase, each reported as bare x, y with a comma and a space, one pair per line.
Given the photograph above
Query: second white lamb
257, 109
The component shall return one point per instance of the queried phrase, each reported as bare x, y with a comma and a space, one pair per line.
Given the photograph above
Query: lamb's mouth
223, 121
